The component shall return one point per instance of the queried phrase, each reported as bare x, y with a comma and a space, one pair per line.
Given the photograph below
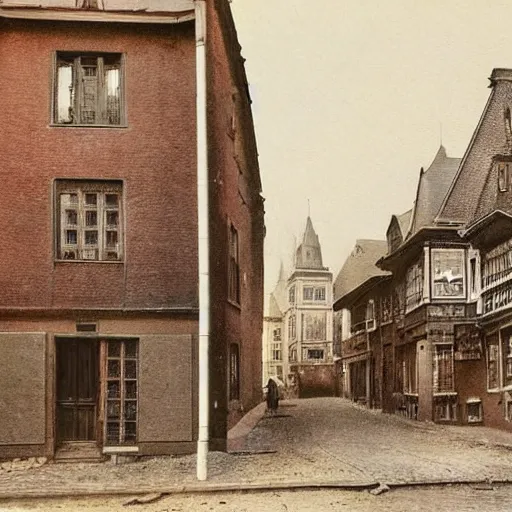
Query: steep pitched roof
433, 185
467, 200
404, 222
360, 266
309, 252
278, 301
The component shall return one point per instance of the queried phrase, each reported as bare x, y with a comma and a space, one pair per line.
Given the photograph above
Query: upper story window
414, 285
503, 177
234, 266
448, 273
313, 293
89, 220
370, 315
277, 334
88, 90
497, 264
291, 295
292, 327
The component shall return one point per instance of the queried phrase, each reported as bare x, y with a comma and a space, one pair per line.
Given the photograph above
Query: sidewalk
317, 443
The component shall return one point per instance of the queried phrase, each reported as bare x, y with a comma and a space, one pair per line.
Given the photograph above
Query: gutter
203, 241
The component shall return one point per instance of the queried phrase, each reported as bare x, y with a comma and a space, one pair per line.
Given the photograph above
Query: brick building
362, 319
99, 272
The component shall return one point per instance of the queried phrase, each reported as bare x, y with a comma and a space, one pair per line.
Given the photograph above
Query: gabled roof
360, 267
309, 252
404, 222
433, 186
467, 200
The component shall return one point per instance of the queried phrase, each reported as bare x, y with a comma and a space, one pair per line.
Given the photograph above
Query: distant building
362, 310
300, 313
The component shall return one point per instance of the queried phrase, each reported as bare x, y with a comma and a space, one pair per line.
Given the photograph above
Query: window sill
70, 125
109, 262
120, 449
445, 393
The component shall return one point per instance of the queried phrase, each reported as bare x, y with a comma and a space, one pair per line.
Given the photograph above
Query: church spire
309, 253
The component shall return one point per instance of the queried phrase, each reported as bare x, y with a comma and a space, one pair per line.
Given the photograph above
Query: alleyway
315, 440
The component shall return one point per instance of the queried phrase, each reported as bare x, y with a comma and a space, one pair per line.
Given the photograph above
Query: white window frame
435, 254
71, 197
472, 402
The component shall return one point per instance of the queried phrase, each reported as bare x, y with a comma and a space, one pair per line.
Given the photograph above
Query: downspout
203, 240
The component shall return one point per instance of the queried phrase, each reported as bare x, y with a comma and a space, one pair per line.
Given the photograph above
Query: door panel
77, 384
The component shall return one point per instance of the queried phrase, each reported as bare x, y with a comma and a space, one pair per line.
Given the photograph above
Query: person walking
272, 397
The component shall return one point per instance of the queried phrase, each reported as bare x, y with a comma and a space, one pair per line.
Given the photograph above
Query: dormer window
503, 177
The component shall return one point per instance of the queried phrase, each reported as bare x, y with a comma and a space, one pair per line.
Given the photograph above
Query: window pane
91, 199
131, 389
113, 409
91, 218
113, 389
114, 368
111, 200
114, 349
130, 369
130, 431
113, 91
89, 96
91, 238
65, 93
71, 217
130, 349
71, 237
113, 432
112, 219
130, 410
111, 238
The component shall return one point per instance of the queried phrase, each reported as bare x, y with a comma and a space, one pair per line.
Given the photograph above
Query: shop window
492, 366
121, 392
474, 410
234, 372
88, 90
443, 369
89, 215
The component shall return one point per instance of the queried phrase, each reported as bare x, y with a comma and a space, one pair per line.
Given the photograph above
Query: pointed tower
309, 252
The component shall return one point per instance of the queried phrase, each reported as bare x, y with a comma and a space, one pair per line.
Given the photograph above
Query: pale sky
348, 99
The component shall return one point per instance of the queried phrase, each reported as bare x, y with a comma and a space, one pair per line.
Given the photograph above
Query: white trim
120, 449
95, 16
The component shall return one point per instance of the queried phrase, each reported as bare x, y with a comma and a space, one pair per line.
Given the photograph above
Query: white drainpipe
203, 240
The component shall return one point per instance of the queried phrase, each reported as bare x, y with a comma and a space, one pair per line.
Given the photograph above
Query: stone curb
188, 489
203, 488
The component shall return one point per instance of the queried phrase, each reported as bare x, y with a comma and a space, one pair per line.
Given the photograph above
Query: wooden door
77, 389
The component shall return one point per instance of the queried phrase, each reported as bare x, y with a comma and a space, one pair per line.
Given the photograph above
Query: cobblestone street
315, 440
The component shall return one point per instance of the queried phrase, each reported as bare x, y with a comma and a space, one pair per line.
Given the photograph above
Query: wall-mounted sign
448, 273
468, 343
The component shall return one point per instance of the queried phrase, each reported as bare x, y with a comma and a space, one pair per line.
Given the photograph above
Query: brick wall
234, 198
155, 156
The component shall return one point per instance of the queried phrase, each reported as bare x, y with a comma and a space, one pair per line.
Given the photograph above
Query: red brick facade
151, 294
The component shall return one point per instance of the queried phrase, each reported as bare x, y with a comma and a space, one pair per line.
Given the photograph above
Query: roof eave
355, 293
82, 15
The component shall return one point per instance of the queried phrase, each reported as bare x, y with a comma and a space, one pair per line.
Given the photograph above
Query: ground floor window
445, 410
492, 363
474, 410
234, 372
443, 369
121, 385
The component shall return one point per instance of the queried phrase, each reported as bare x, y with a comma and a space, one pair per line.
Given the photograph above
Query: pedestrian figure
272, 397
